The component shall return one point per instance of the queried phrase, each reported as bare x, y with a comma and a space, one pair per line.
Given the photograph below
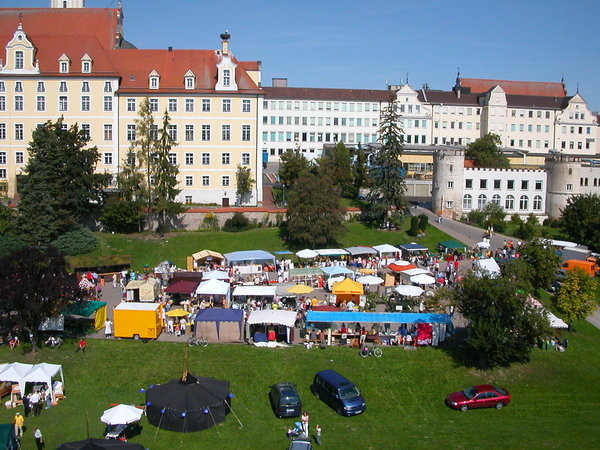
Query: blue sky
364, 44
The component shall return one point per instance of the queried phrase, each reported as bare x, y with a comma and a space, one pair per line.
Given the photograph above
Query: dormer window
19, 59
226, 78
189, 80
86, 67
64, 67
41, 87
18, 86
153, 80
107, 86
63, 86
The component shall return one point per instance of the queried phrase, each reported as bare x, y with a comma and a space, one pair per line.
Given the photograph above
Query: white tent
307, 254
14, 372
556, 322
331, 252
409, 291
122, 415
483, 244
413, 272
215, 275
255, 291
213, 287
487, 266
422, 279
43, 373
272, 317
386, 248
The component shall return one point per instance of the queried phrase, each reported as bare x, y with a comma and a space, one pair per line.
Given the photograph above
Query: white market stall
248, 262
262, 294
278, 325
488, 267
22, 374
216, 291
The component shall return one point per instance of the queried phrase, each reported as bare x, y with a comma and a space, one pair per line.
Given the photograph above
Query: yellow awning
300, 289
177, 313
347, 286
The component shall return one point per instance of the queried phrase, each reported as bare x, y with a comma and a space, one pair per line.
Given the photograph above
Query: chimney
225, 42
170, 49
280, 82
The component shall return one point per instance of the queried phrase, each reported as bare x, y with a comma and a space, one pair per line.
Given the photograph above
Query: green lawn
151, 249
555, 397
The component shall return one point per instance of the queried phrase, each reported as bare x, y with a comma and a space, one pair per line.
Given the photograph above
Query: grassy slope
149, 249
555, 397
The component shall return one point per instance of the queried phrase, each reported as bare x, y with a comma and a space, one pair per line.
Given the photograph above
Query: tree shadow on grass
456, 347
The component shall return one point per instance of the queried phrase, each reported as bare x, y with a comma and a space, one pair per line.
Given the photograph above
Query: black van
338, 392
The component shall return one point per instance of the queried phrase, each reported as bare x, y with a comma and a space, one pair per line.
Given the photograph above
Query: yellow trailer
138, 320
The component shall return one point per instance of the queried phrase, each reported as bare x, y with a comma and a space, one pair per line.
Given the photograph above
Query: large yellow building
73, 62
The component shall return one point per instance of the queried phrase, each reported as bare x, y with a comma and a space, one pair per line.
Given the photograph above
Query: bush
121, 216
423, 221
516, 220
238, 222
476, 217
76, 242
414, 226
210, 222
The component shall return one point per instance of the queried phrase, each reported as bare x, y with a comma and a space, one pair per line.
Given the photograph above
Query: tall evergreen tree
359, 171
165, 175
337, 166
59, 188
386, 175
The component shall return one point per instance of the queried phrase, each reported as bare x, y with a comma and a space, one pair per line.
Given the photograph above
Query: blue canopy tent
249, 257
333, 271
409, 249
220, 324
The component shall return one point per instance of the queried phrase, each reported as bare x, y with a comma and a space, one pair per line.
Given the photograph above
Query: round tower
448, 182
563, 173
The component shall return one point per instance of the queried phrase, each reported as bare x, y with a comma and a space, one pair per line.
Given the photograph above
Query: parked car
300, 444
482, 396
285, 400
338, 392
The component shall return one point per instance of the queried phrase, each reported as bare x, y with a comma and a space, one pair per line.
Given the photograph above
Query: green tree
336, 165
485, 152
543, 263
580, 220
386, 175
314, 216
8, 220
35, 285
244, 183
530, 229
503, 326
59, 188
122, 216
165, 176
494, 216
360, 174
292, 164
576, 297
75, 242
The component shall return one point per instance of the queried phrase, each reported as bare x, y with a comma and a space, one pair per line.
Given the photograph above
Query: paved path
594, 319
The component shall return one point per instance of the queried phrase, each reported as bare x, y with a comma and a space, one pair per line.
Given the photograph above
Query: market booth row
38, 375
428, 328
259, 293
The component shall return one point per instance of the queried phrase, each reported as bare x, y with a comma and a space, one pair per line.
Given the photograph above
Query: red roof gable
101, 23
539, 88
135, 65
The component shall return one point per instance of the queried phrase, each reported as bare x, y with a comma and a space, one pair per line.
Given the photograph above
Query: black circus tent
100, 444
188, 404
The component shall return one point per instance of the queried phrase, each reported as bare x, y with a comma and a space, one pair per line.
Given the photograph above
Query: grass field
151, 249
555, 396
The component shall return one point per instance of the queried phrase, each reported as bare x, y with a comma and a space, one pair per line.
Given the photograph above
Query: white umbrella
483, 244
409, 291
307, 254
370, 279
422, 279
122, 415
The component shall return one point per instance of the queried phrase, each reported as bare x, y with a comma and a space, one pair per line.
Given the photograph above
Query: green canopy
451, 245
84, 308
7, 437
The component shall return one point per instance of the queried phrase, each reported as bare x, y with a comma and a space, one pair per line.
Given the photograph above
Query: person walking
304, 420
318, 432
107, 328
39, 441
35, 403
19, 421
114, 278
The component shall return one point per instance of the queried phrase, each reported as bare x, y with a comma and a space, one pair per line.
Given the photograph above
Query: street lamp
283, 193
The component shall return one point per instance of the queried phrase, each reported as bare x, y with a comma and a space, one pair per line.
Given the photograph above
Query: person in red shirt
81, 345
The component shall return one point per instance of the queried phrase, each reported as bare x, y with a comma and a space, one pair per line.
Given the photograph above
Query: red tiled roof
250, 65
469, 163
182, 287
368, 95
99, 22
539, 88
135, 65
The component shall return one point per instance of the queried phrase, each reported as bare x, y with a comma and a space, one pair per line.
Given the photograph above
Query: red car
482, 396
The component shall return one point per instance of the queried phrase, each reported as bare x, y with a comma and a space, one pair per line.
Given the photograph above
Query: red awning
182, 287
397, 268
325, 308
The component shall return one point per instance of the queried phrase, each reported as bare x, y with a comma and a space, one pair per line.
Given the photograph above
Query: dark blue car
338, 392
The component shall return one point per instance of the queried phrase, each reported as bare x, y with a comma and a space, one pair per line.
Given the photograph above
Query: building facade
458, 187
93, 77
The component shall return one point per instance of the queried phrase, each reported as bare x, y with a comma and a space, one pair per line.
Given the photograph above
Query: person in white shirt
107, 328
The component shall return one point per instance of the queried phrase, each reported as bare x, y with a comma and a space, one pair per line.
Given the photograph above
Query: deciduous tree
35, 285
581, 220
336, 165
485, 152
244, 183
543, 263
314, 216
576, 297
503, 326
292, 164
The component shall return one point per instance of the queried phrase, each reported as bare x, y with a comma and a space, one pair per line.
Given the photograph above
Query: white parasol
422, 279
307, 254
370, 279
409, 291
483, 244
122, 415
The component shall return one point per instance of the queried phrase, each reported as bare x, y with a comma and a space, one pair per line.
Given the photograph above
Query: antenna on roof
406, 77
20, 19
577, 87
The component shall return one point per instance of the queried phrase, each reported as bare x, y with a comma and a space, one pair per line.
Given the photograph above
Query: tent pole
214, 423
158, 427
236, 417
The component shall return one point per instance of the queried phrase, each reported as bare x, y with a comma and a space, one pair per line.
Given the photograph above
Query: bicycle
367, 351
197, 341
